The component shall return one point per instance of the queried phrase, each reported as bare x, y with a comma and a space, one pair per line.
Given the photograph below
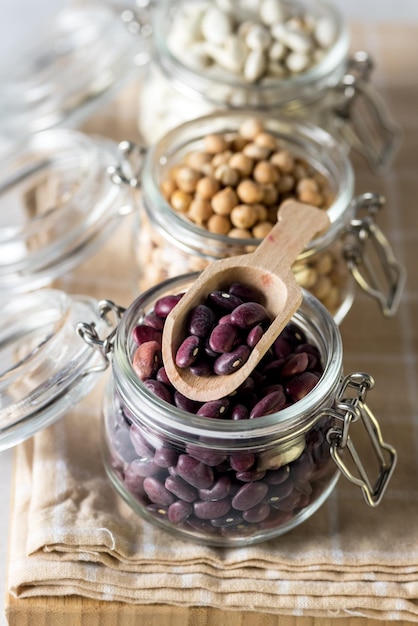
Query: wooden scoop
267, 269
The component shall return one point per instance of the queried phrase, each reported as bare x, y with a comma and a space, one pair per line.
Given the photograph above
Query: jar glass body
167, 244
229, 483
181, 85
60, 207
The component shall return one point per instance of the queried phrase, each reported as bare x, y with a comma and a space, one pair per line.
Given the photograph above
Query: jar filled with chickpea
278, 56
213, 187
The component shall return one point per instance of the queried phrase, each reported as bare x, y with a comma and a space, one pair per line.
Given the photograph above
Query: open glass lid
58, 204
81, 55
45, 366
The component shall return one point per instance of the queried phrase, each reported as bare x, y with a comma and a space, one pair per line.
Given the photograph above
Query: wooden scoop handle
299, 223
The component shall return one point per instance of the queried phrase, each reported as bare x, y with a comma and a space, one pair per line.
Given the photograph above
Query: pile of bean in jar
250, 41
215, 492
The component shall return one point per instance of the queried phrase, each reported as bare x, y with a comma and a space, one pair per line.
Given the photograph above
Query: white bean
277, 51
325, 32
216, 25
297, 62
258, 37
272, 11
255, 66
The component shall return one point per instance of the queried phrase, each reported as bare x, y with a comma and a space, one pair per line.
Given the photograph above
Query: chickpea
270, 194
243, 216
265, 173
262, 229
283, 160
215, 143
207, 187
186, 178
196, 159
250, 128
224, 201
168, 187
180, 200
249, 192
221, 158
227, 176
286, 183
219, 224
258, 153
266, 140
200, 211
311, 197
240, 233
307, 184
242, 163
262, 212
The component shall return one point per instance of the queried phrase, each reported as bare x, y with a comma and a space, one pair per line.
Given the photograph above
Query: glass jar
77, 60
187, 78
53, 349
59, 205
168, 244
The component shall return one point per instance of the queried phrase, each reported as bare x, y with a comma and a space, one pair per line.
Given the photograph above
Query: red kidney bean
299, 386
231, 361
254, 336
249, 314
211, 510
202, 320
194, 472
219, 490
156, 492
181, 489
223, 300
249, 495
147, 359
158, 389
245, 293
179, 511
188, 351
143, 333
214, 408
223, 337
271, 403
166, 304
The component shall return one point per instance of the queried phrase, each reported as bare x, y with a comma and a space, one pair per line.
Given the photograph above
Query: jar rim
312, 317
322, 76
315, 144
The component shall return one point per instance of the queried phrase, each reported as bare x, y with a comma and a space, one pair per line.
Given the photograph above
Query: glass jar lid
58, 205
45, 366
81, 55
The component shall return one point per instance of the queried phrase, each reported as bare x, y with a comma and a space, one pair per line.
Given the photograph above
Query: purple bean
142, 447
165, 457
249, 314
289, 503
244, 292
257, 513
194, 472
202, 320
278, 476
214, 408
242, 461
158, 389
144, 467
271, 403
206, 455
219, 490
299, 386
179, 511
223, 337
181, 489
295, 364
156, 492
239, 412
231, 361
162, 377
188, 351
154, 320
223, 300
254, 336
204, 509
228, 520
185, 404
302, 468
279, 492
250, 476
166, 304
143, 333
249, 495
282, 347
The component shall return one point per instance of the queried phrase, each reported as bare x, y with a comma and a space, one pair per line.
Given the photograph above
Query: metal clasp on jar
351, 407
89, 334
381, 275
129, 169
361, 116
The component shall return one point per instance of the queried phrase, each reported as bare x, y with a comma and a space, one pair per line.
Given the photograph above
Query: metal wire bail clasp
129, 169
362, 117
379, 274
89, 334
351, 407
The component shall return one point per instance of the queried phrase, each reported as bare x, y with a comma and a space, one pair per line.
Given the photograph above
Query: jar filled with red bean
281, 56
213, 187
250, 466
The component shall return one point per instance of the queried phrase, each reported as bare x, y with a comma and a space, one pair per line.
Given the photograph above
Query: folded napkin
71, 533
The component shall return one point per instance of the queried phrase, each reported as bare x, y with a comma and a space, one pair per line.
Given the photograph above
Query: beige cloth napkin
71, 533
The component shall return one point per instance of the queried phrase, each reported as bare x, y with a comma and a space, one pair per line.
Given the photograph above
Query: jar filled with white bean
275, 55
213, 188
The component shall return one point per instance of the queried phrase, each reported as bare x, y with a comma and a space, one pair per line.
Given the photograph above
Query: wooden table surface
118, 121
